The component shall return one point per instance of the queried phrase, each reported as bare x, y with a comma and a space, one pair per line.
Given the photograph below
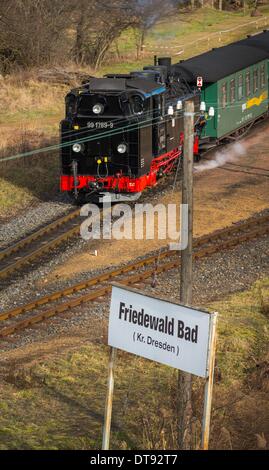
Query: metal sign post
209, 384
166, 332
109, 400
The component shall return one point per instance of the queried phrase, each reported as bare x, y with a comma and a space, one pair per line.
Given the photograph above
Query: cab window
157, 107
70, 103
137, 104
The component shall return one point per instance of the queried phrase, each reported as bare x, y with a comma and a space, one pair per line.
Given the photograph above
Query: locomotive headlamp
202, 106
77, 148
98, 108
122, 148
211, 111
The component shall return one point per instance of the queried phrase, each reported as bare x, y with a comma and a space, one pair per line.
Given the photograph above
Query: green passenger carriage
235, 86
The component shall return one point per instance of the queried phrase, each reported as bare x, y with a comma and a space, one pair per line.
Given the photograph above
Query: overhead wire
217, 106
102, 135
119, 120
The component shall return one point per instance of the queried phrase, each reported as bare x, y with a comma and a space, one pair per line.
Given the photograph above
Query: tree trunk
80, 40
142, 41
220, 5
117, 50
140, 35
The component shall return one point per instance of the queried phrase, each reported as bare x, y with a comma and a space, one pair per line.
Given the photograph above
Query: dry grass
23, 96
35, 178
55, 399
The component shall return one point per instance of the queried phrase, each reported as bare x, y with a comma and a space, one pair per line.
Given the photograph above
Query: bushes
41, 32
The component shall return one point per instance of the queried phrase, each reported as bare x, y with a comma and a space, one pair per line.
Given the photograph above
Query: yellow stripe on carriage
256, 101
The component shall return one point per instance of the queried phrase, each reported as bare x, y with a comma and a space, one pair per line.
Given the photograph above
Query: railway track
39, 243
247, 169
137, 273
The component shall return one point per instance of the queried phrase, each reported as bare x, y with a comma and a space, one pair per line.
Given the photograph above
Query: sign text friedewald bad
160, 330
160, 324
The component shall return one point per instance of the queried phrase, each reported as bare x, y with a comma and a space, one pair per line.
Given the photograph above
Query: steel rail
112, 274
12, 260
95, 294
13, 257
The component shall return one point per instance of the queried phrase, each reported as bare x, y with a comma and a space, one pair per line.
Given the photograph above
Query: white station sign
159, 330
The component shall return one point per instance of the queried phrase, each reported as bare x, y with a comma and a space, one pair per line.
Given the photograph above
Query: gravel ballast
214, 277
32, 219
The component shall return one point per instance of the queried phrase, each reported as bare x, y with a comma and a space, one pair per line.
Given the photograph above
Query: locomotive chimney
167, 61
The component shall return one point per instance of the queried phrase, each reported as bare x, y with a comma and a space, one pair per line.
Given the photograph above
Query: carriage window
224, 95
248, 84
255, 80
240, 87
232, 91
263, 76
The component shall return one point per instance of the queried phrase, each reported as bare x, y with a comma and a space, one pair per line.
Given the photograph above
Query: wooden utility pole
185, 379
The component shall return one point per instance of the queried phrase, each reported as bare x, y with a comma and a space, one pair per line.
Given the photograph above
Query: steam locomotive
122, 132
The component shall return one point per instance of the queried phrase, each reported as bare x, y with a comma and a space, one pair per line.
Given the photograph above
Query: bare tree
147, 13
98, 25
32, 30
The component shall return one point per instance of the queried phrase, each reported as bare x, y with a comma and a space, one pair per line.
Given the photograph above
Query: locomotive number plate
100, 125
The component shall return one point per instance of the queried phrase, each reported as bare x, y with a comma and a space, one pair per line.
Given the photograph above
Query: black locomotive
122, 132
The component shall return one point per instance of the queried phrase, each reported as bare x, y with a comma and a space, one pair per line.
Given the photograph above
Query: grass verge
58, 402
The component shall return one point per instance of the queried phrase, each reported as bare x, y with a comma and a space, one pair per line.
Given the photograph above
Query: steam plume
232, 154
